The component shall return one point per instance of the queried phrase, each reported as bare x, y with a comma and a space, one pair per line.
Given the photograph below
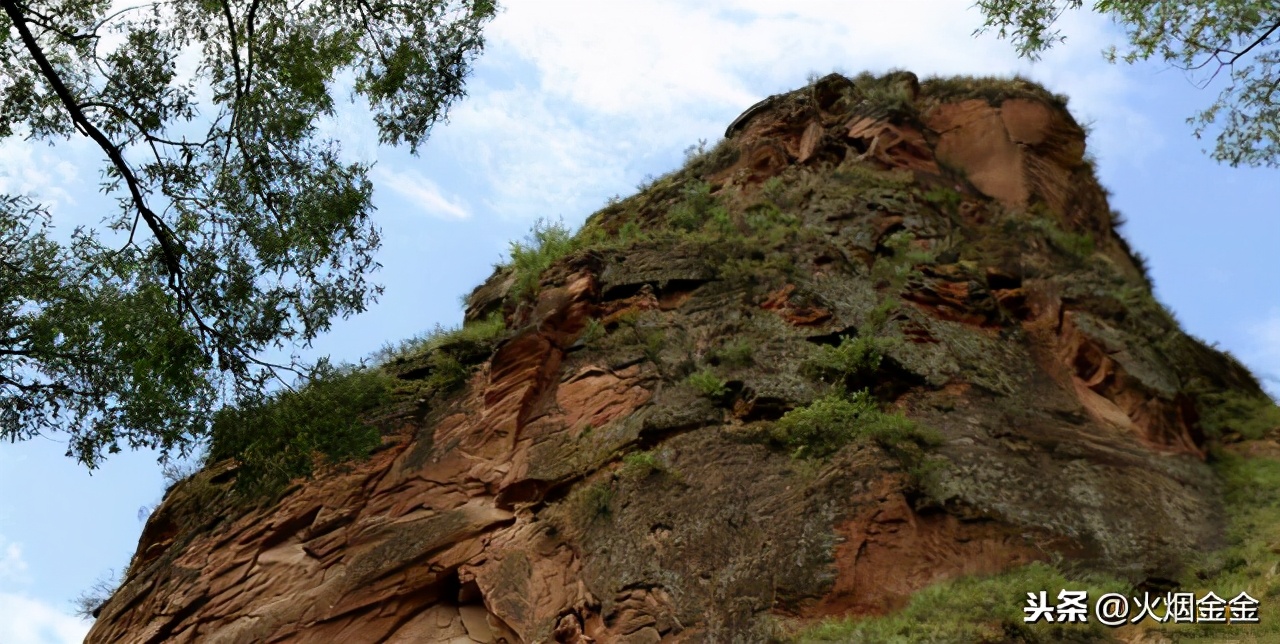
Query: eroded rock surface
1065, 397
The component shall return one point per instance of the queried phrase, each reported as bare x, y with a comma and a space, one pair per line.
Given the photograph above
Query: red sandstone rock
508, 513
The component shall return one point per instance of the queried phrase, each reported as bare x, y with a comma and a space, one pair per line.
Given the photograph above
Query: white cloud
575, 100
24, 620
28, 621
13, 568
421, 192
533, 158
32, 169
618, 58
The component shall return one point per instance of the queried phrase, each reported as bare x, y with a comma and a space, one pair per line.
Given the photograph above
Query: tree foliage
1234, 41
240, 228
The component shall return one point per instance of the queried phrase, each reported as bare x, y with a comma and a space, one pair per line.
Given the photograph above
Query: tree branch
47, 23
235, 56
1215, 54
248, 45
141, 130
170, 248
164, 235
1255, 43
35, 387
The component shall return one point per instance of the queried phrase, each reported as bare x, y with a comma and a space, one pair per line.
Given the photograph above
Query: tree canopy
1234, 42
240, 228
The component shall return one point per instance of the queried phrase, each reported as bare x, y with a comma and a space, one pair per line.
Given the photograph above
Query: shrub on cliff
471, 342
851, 362
737, 353
698, 208
902, 260
829, 423
889, 95
441, 361
993, 89
546, 243
708, 384
1230, 411
640, 464
90, 601
1077, 245
277, 437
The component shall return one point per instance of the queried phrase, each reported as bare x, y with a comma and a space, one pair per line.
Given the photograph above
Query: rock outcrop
582, 487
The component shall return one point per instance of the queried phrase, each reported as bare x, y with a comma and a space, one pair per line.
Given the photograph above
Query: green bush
698, 208
694, 153
654, 341
593, 502
628, 318
855, 360
699, 160
1147, 314
753, 271
276, 437
878, 317
592, 332
1250, 416
903, 259
631, 233
640, 464
446, 355
773, 189
719, 222
595, 235
904, 249
546, 243
1078, 245
471, 337
887, 97
829, 423
867, 182
739, 353
770, 225
708, 384
946, 199
479, 331
446, 372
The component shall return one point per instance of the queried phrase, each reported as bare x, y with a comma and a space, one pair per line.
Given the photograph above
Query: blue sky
576, 101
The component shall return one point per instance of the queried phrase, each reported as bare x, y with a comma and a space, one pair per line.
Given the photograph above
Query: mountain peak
883, 335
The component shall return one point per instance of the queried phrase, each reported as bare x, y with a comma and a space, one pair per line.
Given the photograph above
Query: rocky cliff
883, 335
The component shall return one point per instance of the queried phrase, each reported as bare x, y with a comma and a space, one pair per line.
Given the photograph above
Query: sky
574, 102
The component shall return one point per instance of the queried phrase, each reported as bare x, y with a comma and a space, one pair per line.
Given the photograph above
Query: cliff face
668, 443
